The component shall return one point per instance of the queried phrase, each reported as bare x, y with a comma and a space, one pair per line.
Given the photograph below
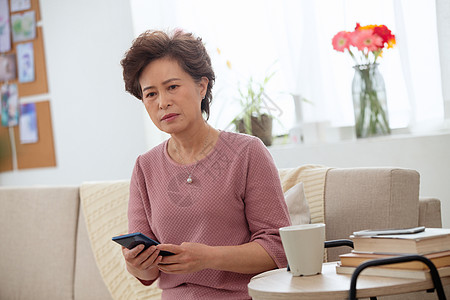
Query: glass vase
369, 102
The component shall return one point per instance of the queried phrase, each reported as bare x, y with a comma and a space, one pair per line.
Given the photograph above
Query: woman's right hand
142, 264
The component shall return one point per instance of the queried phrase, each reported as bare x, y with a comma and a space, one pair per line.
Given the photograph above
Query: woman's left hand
188, 258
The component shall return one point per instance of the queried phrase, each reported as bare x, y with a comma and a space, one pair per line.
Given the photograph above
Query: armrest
430, 212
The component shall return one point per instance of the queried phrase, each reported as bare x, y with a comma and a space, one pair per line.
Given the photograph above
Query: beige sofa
45, 252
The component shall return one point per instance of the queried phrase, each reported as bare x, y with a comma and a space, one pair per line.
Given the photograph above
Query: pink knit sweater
235, 198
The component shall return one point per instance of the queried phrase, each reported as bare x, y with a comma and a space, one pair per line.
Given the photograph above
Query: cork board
6, 157
42, 153
39, 85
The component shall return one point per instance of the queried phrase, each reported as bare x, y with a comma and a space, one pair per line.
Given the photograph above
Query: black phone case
133, 239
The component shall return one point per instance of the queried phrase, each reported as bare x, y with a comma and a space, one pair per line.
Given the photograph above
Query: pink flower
365, 44
341, 41
365, 39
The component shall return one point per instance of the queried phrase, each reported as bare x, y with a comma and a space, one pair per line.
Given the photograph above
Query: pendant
189, 180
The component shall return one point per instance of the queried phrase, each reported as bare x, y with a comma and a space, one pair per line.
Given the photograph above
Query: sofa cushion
369, 198
105, 209
313, 178
87, 275
38, 229
297, 205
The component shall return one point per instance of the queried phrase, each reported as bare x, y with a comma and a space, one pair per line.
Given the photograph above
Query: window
293, 38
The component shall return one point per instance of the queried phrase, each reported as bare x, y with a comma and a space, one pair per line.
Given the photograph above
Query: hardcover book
397, 273
354, 259
429, 241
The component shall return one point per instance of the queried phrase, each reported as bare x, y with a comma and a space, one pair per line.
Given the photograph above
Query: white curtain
419, 56
293, 38
443, 24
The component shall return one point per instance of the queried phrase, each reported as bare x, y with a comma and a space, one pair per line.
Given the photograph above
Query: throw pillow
297, 205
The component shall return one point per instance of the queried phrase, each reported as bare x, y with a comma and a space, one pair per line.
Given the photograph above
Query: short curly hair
188, 50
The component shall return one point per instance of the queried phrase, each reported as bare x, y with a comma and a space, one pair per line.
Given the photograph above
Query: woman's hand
249, 258
142, 264
188, 258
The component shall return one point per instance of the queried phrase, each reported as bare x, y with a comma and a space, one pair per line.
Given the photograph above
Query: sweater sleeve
137, 218
265, 207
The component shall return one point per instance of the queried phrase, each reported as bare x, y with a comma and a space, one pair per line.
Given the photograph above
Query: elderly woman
212, 198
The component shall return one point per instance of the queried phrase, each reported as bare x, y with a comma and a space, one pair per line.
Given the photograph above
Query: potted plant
255, 118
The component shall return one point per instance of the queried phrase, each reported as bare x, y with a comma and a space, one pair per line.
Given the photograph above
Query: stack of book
433, 243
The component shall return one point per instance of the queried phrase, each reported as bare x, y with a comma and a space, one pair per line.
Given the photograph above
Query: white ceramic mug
304, 248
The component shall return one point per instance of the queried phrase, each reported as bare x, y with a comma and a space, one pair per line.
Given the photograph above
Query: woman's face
171, 96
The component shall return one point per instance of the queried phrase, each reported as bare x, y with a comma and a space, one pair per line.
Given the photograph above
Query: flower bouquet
365, 45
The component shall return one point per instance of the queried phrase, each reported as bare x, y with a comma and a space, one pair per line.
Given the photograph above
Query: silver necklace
189, 179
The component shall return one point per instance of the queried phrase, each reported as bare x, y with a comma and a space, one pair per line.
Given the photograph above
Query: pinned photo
23, 26
18, 5
8, 67
28, 124
25, 61
5, 29
10, 105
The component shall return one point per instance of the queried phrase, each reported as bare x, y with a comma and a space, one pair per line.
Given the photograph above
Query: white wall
98, 128
429, 155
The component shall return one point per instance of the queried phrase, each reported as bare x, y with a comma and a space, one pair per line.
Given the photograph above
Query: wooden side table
280, 284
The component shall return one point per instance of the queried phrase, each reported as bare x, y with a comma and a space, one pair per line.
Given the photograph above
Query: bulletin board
6, 158
42, 152
39, 85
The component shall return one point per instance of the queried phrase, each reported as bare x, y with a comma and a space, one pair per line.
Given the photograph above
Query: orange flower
384, 32
359, 27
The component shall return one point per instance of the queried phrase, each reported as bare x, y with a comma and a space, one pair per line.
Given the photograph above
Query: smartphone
133, 239
389, 231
